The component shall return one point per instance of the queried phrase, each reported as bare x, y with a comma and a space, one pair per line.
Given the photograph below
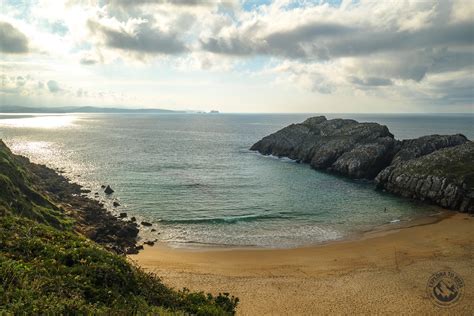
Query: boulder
128, 231
123, 215
108, 190
146, 224
116, 204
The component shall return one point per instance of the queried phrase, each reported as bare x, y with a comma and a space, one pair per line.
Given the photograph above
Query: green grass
46, 267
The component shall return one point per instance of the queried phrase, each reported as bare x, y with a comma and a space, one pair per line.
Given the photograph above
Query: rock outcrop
357, 150
369, 150
444, 177
414, 148
108, 190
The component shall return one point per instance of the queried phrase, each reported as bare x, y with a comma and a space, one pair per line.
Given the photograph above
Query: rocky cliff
444, 177
358, 150
369, 150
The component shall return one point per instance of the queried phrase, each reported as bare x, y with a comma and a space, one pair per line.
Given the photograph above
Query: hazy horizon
240, 56
197, 111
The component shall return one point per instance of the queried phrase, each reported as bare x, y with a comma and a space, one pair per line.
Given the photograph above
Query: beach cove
378, 273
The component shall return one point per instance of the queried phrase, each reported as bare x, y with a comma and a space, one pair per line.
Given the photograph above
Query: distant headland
80, 109
436, 168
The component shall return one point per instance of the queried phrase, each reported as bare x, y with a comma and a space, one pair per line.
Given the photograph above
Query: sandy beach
382, 272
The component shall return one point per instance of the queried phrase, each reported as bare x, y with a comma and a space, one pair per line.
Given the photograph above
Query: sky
309, 56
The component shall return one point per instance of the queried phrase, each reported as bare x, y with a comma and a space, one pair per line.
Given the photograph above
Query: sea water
193, 176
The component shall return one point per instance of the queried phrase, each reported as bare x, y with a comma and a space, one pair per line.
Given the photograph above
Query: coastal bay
384, 261
195, 179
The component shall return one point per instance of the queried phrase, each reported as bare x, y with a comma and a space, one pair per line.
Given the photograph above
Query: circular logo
445, 288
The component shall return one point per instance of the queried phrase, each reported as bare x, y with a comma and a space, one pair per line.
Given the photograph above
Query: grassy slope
45, 266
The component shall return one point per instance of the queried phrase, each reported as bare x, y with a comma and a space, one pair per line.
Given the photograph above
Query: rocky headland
436, 168
91, 219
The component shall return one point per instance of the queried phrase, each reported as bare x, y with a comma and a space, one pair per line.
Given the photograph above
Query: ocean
194, 178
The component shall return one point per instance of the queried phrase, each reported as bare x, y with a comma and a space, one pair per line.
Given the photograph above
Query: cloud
177, 3
53, 86
142, 38
87, 61
81, 93
372, 81
323, 41
12, 41
172, 2
365, 46
23, 84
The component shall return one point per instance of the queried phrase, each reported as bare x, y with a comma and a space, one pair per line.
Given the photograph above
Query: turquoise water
195, 179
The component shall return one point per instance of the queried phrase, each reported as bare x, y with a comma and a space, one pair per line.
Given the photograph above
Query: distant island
436, 168
82, 109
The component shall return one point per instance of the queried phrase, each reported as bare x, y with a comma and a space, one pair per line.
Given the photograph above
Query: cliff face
444, 177
369, 150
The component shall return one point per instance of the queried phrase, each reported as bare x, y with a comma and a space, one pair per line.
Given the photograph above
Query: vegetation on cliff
47, 266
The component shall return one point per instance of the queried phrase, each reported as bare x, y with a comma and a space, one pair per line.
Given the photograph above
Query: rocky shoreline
436, 168
91, 218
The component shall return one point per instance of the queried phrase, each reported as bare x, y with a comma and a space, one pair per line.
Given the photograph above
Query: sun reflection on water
39, 121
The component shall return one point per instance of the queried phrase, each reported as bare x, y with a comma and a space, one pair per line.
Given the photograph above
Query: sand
383, 272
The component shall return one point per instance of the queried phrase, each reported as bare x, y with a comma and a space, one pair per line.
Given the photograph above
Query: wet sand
383, 272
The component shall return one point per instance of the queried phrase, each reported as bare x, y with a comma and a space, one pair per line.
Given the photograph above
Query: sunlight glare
41, 121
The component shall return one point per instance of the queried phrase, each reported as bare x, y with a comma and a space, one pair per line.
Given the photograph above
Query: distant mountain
72, 109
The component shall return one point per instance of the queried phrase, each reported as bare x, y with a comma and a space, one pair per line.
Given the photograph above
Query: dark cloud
369, 42
12, 41
294, 43
230, 46
371, 81
145, 39
53, 86
319, 41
